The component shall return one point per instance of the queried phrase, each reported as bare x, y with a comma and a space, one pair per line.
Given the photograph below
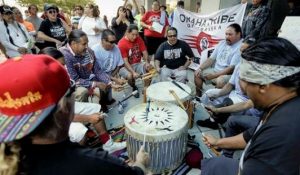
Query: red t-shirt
132, 50
148, 18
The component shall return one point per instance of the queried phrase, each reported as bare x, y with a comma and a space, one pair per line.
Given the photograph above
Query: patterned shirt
254, 22
83, 69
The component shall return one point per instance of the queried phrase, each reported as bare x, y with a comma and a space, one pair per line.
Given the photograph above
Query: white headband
263, 74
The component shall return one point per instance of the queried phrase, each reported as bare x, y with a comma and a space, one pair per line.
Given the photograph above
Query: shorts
137, 67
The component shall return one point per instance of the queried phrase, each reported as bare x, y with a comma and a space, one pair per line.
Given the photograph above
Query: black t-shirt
173, 56
274, 148
119, 29
69, 158
53, 30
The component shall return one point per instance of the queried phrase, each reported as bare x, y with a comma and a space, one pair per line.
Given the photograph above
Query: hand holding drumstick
211, 142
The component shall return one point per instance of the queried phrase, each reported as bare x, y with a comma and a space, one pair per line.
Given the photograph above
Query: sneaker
137, 95
110, 146
208, 124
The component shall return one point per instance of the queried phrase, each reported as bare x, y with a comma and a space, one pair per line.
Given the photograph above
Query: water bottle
124, 103
120, 109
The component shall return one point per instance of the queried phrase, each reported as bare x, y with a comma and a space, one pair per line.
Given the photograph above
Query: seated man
172, 58
109, 57
243, 116
86, 113
85, 71
270, 77
39, 116
132, 48
225, 56
228, 100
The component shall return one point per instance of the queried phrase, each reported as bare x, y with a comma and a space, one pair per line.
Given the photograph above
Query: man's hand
182, 68
103, 86
211, 110
148, 66
142, 157
94, 118
210, 76
117, 87
210, 141
198, 72
158, 69
150, 28
120, 81
22, 50
135, 75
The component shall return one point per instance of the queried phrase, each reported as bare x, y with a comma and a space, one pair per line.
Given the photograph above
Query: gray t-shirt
36, 21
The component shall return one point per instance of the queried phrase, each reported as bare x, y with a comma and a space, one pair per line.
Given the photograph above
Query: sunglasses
170, 36
52, 11
112, 42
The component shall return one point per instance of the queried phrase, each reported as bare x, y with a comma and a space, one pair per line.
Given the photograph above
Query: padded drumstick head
120, 109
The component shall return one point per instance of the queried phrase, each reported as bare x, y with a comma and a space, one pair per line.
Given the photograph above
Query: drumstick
119, 102
180, 87
177, 99
212, 148
147, 112
147, 77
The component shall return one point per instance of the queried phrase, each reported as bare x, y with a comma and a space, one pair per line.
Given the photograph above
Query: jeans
237, 124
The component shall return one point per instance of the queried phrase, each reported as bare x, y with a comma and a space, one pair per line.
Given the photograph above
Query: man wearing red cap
38, 115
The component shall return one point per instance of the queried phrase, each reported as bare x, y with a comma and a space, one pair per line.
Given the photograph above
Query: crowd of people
59, 74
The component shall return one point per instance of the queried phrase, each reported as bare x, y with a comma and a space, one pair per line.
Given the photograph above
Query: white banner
203, 32
289, 30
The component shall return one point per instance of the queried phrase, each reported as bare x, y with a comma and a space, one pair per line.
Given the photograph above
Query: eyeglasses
112, 42
170, 36
52, 11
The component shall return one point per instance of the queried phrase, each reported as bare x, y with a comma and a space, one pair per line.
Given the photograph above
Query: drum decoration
164, 130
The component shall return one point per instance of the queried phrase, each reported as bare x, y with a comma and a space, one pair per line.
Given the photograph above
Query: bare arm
128, 66
235, 142
66, 27
125, 2
136, 6
226, 71
207, 63
145, 25
187, 63
45, 37
146, 56
157, 65
242, 106
93, 118
224, 91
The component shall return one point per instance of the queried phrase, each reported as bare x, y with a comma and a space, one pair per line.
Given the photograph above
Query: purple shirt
83, 69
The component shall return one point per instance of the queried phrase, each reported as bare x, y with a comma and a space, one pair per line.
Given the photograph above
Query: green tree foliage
66, 5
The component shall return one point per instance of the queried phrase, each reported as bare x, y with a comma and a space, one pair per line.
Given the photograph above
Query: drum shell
166, 148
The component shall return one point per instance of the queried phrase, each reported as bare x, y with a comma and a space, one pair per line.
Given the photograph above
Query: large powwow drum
164, 131
161, 92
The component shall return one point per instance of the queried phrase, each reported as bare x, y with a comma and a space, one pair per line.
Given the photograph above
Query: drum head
161, 92
163, 119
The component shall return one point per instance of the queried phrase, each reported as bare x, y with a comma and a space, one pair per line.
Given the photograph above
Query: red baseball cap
30, 88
